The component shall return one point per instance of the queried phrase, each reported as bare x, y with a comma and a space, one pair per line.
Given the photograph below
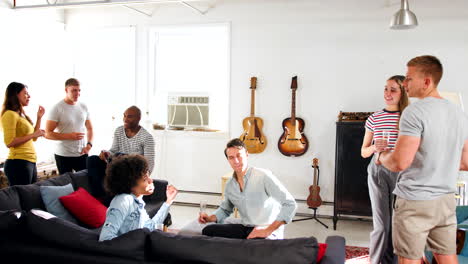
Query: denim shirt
263, 200
126, 213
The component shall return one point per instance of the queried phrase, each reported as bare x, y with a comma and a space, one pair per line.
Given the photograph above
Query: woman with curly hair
127, 177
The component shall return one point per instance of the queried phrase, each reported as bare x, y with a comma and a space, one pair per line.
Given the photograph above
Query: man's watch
90, 144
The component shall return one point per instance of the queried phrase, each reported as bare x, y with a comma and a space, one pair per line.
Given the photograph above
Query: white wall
104, 62
342, 51
33, 51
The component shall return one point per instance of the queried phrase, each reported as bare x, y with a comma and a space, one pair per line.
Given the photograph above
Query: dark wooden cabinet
351, 190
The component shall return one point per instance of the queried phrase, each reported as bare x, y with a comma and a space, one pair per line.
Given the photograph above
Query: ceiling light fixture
404, 18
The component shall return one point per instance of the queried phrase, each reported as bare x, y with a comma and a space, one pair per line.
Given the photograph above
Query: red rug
357, 255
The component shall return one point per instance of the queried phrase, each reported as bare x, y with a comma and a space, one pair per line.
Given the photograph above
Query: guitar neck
315, 176
252, 102
293, 107
253, 86
293, 104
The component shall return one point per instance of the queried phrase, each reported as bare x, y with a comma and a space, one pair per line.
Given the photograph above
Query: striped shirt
142, 143
384, 121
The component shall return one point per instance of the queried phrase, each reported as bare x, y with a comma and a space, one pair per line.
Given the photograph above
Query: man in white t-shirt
69, 123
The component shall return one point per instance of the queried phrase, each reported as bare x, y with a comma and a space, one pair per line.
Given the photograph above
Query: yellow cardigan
16, 126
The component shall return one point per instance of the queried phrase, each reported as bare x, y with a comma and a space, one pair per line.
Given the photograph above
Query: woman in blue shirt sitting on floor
128, 178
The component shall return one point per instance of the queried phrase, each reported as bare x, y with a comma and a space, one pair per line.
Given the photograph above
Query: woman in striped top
381, 134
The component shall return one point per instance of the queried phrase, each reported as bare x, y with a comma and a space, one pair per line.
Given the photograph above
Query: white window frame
152, 76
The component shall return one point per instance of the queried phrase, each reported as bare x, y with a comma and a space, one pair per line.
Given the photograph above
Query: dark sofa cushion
156, 199
336, 251
31, 195
152, 208
28, 251
60, 180
80, 179
23, 247
9, 222
159, 192
172, 248
9, 199
64, 234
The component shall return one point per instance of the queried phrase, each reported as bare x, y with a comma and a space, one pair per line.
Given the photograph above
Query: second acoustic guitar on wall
293, 141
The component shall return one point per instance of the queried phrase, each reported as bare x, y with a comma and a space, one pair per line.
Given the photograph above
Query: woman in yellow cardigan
19, 134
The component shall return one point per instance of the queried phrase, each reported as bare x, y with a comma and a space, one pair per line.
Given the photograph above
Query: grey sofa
31, 237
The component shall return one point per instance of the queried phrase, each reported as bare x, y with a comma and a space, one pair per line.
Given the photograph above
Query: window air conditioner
187, 111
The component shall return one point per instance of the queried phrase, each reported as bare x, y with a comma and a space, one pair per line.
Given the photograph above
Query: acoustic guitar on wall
293, 142
314, 200
253, 137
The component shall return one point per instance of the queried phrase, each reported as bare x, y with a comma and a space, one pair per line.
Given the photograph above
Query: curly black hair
123, 173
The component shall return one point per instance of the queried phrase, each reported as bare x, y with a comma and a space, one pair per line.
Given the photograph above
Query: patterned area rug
357, 255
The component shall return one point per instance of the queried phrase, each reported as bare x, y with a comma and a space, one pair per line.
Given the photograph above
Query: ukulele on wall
314, 200
253, 137
293, 142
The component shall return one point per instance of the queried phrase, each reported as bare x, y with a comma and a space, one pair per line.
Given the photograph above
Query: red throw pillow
85, 207
321, 251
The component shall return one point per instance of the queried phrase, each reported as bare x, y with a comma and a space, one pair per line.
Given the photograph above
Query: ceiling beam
202, 12
99, 3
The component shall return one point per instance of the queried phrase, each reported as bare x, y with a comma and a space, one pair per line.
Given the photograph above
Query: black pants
96, 173
68, 164
20, 172
228, 230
